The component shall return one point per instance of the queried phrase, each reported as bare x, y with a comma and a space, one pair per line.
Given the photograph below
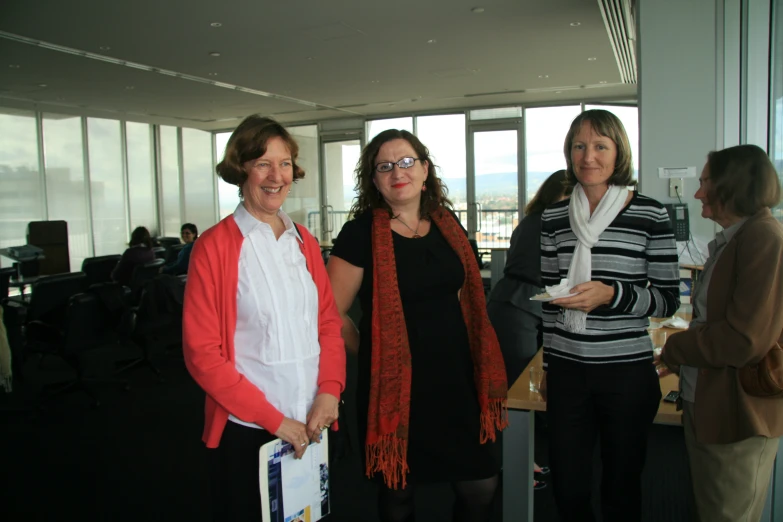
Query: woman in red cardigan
261, 332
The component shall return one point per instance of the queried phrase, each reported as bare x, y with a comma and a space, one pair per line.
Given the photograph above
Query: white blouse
276, 340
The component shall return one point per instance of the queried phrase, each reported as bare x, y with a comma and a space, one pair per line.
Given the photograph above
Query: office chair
160, 252
90, 344
142, 274
172, 252
166, 242
98, 269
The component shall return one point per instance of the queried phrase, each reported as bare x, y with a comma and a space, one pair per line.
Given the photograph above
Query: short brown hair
552, 190
369, 197
606, 124
742, 180
248, 142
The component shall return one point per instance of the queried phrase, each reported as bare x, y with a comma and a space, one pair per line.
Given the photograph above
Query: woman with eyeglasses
432, 385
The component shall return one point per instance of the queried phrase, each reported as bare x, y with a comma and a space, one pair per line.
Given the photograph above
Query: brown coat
744, 319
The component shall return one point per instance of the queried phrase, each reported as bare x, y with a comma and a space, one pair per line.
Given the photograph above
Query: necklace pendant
416, 236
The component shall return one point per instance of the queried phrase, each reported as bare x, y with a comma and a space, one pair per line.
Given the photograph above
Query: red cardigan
209, 321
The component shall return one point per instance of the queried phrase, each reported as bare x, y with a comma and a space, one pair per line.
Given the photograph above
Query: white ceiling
299, 60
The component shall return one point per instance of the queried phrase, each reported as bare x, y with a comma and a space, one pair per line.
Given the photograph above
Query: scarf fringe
575, 320
494, 418
388, 456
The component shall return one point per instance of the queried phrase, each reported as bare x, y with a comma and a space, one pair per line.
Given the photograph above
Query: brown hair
248, 142
140, 236
606, 124
368, 196
742, 180
551, 191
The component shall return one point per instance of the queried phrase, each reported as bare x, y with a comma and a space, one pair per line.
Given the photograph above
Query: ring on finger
325, 426
302, 445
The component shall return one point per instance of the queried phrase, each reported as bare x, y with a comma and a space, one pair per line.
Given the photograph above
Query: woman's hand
294, 432
590, 296
660, 367
324, 412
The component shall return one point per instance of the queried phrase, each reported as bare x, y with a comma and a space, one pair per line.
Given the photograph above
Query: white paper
294, 490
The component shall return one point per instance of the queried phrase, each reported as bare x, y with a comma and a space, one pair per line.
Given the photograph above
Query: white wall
679, 115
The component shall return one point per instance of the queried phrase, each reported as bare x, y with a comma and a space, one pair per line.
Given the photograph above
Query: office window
228, 195
21, 193
141, 178
66, 195
444, 136
545, 132
303, 203
199, 181
629, 116
494, 114
375, 127
170, 219
776, 96
107, 187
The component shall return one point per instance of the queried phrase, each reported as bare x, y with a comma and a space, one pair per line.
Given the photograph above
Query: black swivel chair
166, 242
172, 252
44, 316
142, 274
160, 252
98, 269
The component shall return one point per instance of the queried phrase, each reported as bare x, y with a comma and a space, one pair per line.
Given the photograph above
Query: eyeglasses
404, 163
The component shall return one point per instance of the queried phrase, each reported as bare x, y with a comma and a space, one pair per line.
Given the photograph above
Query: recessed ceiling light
558, 92
130, 87
602, 81
575, 24
216, 24
213, 74
432, 41
42, 85
543, 76
474, 71
309, 58
375, 81
60, 98
592, 59
13, 66
104, 48
214, 54
477, 10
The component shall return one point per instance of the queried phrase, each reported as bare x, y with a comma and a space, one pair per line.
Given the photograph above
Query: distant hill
504, 183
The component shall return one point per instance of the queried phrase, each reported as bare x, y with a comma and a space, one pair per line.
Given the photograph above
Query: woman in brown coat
732, 436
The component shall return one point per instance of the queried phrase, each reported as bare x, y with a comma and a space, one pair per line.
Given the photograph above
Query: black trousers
615, 403
233, 474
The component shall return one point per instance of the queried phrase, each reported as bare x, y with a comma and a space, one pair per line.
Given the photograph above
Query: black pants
233, 473
615, 403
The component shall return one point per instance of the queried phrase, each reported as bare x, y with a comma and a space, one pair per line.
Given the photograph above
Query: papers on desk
675, 322
294, 490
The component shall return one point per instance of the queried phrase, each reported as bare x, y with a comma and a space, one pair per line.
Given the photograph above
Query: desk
519, 438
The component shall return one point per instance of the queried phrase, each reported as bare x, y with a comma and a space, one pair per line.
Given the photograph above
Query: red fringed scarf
390, 383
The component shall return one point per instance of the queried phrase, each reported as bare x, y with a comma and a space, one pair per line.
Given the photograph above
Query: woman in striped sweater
617, 250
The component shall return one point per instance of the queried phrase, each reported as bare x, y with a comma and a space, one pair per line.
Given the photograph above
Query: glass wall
776, 96
444, 136
107, 186
545, 132
228, 195
21, 193
66, 194
170, 218
141, 178
199, 186
303, 202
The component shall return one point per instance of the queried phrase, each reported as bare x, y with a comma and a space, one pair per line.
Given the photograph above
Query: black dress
443, 440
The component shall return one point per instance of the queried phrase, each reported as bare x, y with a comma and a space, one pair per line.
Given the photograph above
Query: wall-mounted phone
678, 215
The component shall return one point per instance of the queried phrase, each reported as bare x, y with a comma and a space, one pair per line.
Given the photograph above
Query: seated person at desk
732, 435
139, 252
617, 250
189, 234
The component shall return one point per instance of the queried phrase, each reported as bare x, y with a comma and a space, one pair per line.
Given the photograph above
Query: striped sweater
637, 255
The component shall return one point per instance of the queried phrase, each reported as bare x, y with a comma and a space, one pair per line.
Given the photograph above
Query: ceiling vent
619, 19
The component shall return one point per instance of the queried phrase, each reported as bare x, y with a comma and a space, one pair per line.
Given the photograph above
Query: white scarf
587, 229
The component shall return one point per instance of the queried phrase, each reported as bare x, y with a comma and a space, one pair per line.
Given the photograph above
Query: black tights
473, 501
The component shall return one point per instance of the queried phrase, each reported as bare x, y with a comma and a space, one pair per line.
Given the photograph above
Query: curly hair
369, 198
248, 142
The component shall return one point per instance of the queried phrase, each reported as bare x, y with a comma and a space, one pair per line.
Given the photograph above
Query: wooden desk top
692, 267
521, 398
